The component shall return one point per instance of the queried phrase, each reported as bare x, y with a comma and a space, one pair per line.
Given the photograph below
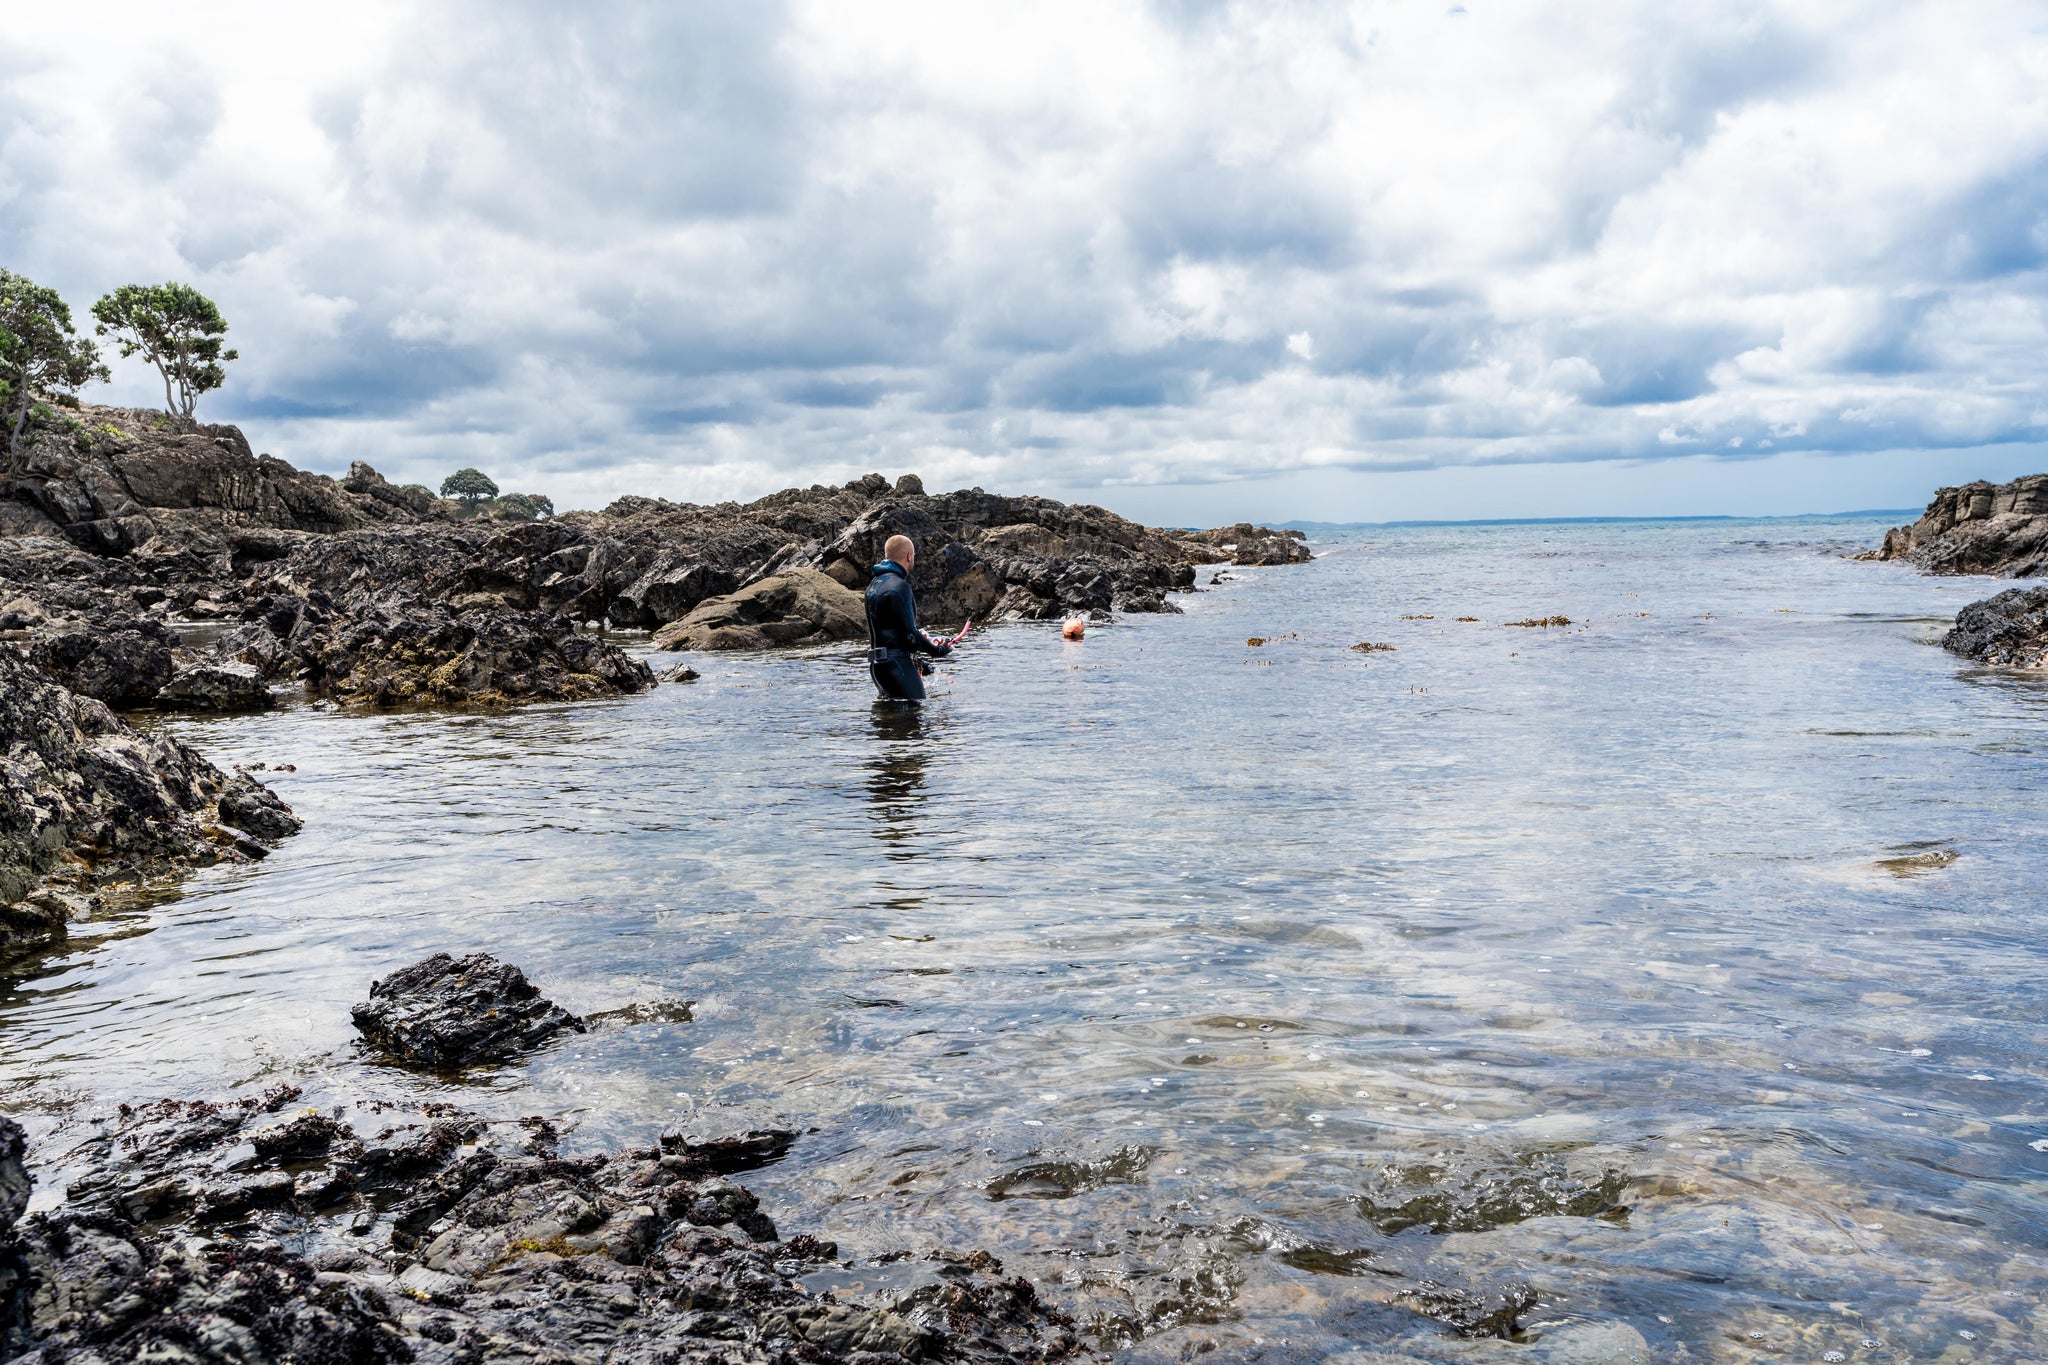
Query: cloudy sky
1192, 259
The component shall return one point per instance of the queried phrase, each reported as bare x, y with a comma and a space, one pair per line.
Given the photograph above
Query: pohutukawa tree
471, 485
177, 329
40, 352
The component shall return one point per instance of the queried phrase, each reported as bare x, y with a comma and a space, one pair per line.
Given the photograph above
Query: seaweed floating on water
1542, 622
1369, 647
1914, 864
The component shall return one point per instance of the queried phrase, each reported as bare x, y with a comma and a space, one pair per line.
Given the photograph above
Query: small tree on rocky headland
40, 352
177, 329
471, 485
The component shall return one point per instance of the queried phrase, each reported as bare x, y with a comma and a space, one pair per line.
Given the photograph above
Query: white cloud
714, 250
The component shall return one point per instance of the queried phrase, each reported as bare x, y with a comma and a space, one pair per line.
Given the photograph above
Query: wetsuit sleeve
921, 642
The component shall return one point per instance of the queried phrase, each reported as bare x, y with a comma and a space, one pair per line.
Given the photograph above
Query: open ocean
1684, 963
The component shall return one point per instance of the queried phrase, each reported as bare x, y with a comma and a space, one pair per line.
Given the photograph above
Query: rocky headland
124, 529
1986, 528
1978, 528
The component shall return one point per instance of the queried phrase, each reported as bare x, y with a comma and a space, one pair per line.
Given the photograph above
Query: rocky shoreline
255, 1230
90, 805
149, 562
119, 524
1985, 528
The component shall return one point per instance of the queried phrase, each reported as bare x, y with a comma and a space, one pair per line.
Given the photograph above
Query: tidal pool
1683, 963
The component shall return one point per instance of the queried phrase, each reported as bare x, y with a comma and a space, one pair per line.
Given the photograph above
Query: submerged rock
1478, 1191
1492, 1310
204, 1232
728, 1138
86, 800
1978, 528
446, 1012
796, 607
2010, 629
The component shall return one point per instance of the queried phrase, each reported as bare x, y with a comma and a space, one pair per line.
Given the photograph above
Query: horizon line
1911, 513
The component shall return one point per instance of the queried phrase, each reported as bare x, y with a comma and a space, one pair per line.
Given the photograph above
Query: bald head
900, 549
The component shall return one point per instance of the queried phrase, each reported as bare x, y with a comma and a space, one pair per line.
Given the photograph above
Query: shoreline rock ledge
89, 804
249, 1231
1977, 528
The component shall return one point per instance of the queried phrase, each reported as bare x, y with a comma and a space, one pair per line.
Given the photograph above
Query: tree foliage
40, 352
177, 329
471, 485
526, 506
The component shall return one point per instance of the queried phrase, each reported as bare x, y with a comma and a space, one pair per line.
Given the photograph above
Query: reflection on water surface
1681, 965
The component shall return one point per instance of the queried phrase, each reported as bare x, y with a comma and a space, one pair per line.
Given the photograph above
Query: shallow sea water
1233, 992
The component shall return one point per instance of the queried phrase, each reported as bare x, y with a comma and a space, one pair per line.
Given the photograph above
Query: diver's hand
940, 649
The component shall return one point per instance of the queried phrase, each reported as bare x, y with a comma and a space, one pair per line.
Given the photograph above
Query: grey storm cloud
710, 249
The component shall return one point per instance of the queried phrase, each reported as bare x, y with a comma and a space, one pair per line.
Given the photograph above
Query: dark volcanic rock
450, 1238
2009, 629
14, 1274
449, 1012
123, 665
86, 800
1978, 528
369, 592
110, 479
217, 687
1249, 544
389, 653
248, 805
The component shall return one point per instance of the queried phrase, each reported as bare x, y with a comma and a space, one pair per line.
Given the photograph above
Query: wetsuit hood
889, 566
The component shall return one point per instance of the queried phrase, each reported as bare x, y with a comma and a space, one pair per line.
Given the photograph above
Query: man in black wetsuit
894, 641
